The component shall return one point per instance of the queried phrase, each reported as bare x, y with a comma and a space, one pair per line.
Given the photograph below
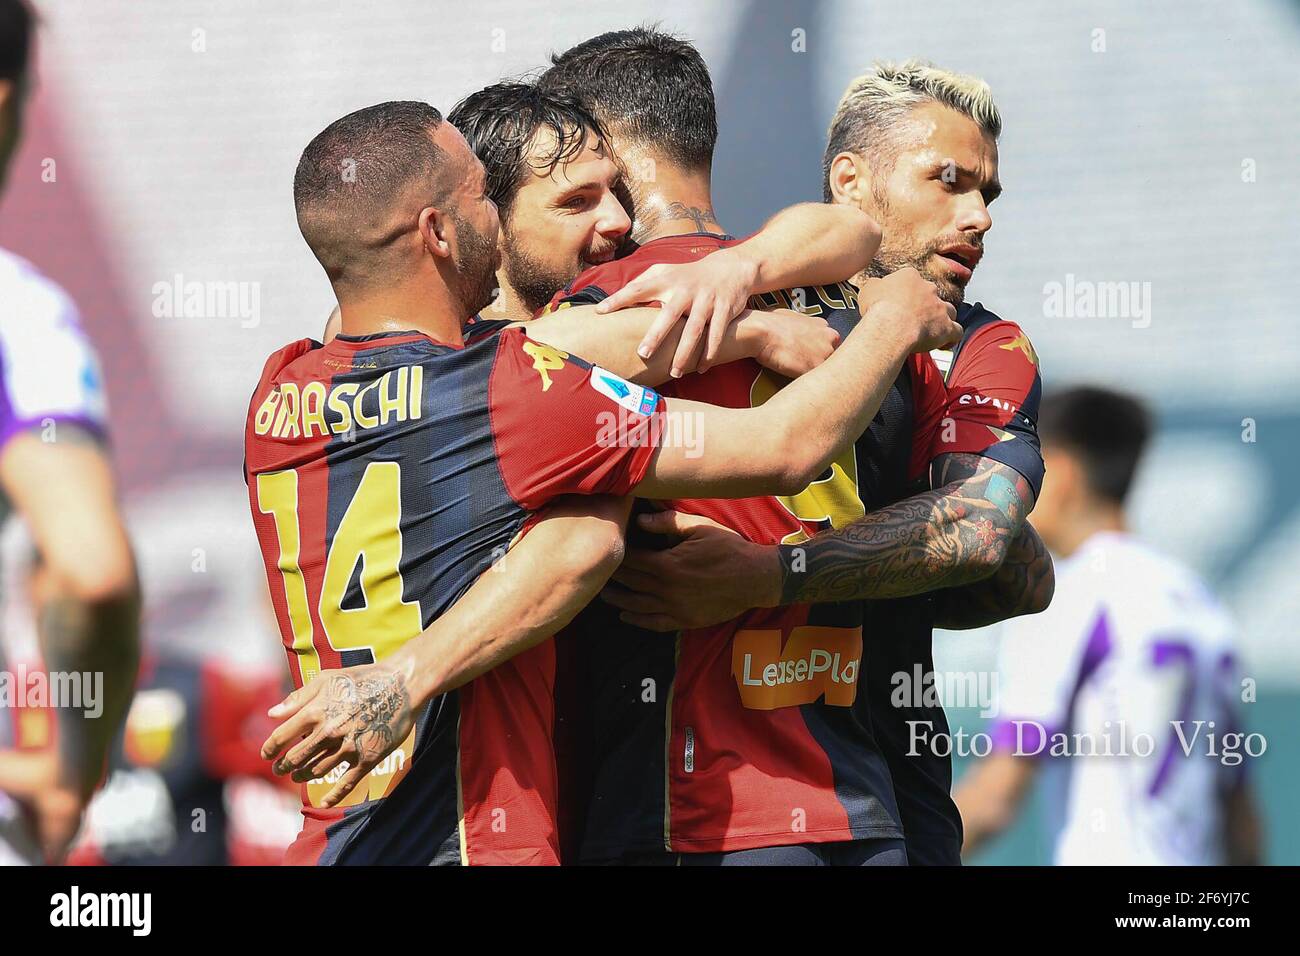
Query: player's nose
613, 222
975, 216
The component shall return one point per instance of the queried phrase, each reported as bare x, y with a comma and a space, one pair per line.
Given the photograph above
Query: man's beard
921, 258
476, 268
536, 282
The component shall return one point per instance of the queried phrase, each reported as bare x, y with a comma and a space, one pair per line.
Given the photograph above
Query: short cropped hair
355, 167
648, 85
501, 123
1107, 430
874, 108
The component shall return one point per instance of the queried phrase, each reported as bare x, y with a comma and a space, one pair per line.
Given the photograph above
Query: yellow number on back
277, 495
369, 532
834, 498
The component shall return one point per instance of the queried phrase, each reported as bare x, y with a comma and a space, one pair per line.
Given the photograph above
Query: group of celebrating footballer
536, 304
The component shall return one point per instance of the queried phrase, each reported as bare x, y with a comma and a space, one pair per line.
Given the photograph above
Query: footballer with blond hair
947, 483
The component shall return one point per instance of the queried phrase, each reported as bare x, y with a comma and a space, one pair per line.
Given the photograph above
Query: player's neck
1096, 520
508, 305
676, 203
433, 312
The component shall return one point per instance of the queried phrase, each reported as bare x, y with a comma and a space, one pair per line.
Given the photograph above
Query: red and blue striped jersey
741, 735
385, 473
778, 727
991, 394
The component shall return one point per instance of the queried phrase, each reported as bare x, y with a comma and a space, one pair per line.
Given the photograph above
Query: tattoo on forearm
1024, 584
940, 539
697, 215
370, 708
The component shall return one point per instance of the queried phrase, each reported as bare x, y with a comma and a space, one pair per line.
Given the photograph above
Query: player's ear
847, 178
433, 230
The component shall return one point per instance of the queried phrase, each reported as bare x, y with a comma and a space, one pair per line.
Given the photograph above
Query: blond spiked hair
872, 111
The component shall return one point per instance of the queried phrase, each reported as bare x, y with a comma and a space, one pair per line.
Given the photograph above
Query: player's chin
949, 279
952, 292
949, 288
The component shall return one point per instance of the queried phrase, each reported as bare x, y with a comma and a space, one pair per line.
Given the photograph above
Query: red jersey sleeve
929, 401
262, 405
992, 393
562, 426
601, 281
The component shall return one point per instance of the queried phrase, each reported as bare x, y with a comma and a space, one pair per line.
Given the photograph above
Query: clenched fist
909, 304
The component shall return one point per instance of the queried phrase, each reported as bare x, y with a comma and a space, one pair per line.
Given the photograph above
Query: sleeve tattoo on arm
1024, 584
949, 537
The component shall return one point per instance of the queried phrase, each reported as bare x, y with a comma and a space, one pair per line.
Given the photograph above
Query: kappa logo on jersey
546, 359
634, 398
815, 662
1021, 344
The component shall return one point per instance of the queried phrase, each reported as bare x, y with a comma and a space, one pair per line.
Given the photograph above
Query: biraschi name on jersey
290, 412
